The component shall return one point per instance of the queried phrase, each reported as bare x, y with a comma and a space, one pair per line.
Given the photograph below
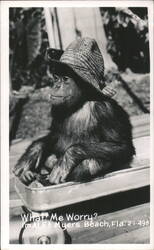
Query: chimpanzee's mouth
59, 97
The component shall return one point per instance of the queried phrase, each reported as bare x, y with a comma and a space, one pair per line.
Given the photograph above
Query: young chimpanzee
90, 133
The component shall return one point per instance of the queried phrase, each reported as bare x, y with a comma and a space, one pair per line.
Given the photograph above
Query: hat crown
84, 55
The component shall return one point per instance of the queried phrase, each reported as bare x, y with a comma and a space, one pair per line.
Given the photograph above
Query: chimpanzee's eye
55, 77
66, 79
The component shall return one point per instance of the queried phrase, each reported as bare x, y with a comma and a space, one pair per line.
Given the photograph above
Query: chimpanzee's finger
29, 175
63, 178
51, 161
17, 170
53, 178
23, 179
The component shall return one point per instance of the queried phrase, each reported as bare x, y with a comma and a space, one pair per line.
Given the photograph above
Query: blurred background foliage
128, 45
28, 43
128, 40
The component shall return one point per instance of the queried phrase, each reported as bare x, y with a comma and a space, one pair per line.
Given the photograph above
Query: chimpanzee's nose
57, 85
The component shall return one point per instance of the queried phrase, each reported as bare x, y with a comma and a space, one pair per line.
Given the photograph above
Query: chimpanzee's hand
51, 161
58, 175
28, 164
72, 157
60, 170
27, 177
24, 173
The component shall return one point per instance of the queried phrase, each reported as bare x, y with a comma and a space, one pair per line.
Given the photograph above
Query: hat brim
59, 67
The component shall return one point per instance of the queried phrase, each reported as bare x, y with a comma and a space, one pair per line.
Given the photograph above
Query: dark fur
85, 141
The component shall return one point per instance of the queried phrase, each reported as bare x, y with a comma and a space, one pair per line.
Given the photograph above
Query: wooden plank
141, 131
141, 125
91, 235
139, 236
137, 120
140, 120
16, 203
131, 218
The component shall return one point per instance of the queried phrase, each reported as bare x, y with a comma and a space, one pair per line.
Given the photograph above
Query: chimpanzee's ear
53, 54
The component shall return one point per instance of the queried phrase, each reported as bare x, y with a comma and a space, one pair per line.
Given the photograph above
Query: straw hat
84, 57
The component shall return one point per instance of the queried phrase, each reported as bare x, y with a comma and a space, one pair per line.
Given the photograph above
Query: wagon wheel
42, 232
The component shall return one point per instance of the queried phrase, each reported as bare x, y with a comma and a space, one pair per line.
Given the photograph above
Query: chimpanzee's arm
110, 153
115, 146
34, 156
107, 151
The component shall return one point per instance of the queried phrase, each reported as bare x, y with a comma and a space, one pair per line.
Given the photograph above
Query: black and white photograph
79, 131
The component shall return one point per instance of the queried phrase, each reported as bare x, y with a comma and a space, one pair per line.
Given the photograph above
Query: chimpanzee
90, 133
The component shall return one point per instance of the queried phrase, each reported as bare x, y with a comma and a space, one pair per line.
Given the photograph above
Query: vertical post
58, 29
49, 25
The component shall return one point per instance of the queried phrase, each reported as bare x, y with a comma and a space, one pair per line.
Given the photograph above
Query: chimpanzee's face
64, 91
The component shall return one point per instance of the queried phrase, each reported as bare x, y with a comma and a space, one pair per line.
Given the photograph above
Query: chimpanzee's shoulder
107, 103
110, 108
